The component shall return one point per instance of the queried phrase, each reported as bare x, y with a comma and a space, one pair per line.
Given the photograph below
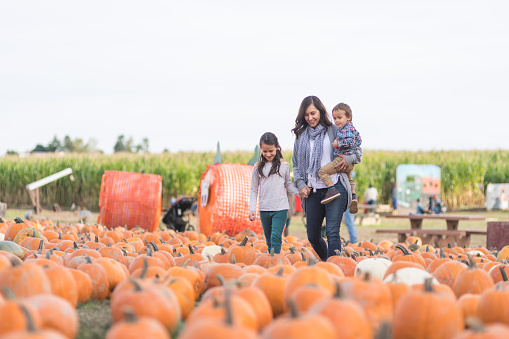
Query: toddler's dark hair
344, 107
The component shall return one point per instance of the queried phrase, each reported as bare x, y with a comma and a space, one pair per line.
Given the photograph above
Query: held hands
252, 216
304, 192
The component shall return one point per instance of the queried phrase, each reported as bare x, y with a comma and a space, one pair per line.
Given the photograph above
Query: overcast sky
419, 75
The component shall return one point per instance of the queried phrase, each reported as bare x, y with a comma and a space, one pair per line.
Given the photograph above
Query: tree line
78, 145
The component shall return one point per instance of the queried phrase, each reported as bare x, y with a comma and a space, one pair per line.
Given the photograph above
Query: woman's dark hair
270, 139
301, 123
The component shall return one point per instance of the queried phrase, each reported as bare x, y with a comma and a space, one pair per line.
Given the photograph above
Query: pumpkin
137, 327
472, 280
410, 276
376, 267
158, 303
273, 286
417, 315
347, 316
300, 326
25, 280
55, 313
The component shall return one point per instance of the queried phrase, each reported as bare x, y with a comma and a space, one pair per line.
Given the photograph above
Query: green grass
95, 319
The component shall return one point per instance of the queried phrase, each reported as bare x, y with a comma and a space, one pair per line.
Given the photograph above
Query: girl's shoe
353, 206
332, 193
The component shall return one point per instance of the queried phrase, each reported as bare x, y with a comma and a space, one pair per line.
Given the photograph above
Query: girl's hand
343, 165
304, 192
252, 216
335, 143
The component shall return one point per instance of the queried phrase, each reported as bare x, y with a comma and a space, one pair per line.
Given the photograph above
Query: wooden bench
440, 238
451, 220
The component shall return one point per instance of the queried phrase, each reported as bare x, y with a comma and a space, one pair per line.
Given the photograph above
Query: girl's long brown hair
270, 139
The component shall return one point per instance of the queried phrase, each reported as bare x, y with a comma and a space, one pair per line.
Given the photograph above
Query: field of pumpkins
187, 285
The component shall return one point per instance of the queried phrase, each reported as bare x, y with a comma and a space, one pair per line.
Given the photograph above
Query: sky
418, 75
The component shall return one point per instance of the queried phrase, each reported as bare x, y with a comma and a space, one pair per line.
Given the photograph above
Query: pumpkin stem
228, 306
1, 220
129, 314
471, 262
402, 249
223, 252
144, 269
428, 285
442, 254
384, 331
280, 272
18, 220
41, 244
339, 292
222, 281
272, 252
96, 239
8, 293
244, 241
502, 271
154, 246
475, 324
312, 261
137, 286
191, 250
294, 312
303, 256
30, 321
232, 258
88, 260
292, 250
149, 251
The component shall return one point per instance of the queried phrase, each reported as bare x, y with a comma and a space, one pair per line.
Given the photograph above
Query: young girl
272, 174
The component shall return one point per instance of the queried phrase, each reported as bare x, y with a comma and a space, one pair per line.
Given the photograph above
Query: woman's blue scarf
306, 165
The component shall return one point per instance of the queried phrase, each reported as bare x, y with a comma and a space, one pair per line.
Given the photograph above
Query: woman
313, 149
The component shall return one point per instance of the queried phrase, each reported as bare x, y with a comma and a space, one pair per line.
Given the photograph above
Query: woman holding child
315, 134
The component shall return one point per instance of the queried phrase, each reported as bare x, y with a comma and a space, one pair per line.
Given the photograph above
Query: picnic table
451, 235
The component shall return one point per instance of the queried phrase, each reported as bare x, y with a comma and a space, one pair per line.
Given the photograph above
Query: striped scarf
306, 165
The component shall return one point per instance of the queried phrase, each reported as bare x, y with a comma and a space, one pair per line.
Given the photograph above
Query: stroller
177, 216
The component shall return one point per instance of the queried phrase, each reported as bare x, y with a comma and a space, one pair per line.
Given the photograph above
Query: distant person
370, 195
347, 142
270, 177
350, 225
436, 205
394, 198
420, 208
502, 201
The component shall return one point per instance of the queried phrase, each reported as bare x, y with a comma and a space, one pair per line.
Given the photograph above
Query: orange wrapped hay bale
224, 199
130, 199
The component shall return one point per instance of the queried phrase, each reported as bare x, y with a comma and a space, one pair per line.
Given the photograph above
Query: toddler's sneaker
332, 193
353, 205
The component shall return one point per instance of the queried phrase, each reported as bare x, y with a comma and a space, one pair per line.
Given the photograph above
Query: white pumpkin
474, 253
210, 251
376, 267
410, 276
2, 237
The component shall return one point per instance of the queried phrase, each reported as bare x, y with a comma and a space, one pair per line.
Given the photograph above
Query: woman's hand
304, 192
252, 216
342, 165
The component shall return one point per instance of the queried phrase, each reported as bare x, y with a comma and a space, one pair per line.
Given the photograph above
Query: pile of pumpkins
166, 284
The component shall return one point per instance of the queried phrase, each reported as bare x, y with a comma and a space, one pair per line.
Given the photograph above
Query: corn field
465, 174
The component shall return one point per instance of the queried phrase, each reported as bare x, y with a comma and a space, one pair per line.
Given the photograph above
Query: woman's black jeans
333, 213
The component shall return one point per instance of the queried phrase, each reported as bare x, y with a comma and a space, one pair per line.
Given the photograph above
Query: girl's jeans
333, 214
273, 223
